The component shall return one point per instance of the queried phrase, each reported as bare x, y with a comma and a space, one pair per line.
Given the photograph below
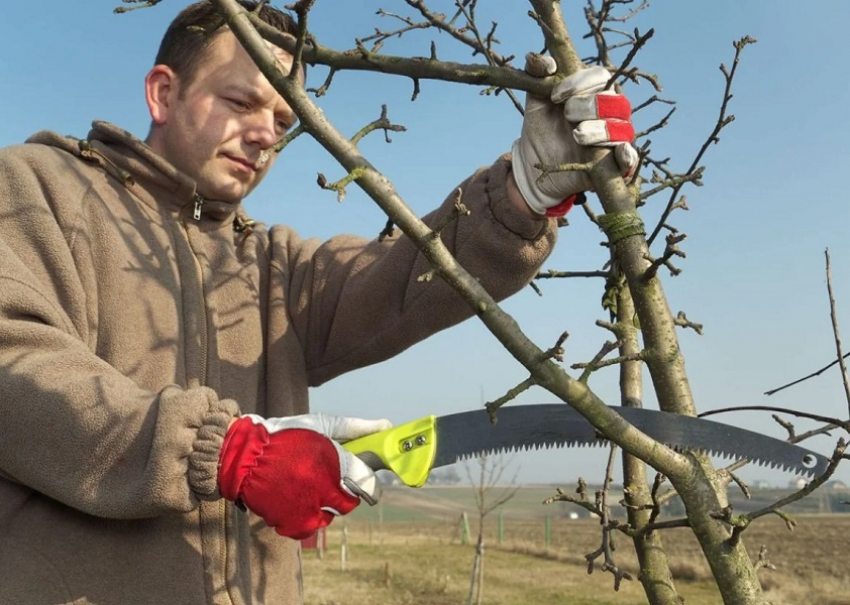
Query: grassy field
409, 551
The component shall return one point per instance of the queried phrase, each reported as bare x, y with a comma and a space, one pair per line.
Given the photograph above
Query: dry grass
423, 562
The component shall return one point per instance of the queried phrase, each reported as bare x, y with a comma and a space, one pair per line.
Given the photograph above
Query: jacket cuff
514, 219
203, 461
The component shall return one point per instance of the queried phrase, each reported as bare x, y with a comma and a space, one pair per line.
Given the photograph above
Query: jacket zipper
221, 521
199, 281
199, 202
204, 328
196, 214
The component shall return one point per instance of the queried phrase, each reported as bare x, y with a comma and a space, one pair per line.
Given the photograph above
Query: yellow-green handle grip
407, 450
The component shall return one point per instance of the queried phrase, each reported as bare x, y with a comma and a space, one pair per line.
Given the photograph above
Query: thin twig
837, 457
763, 562
459, 210
382, 123
670, 251
606, 549
556, 352
594, 363
580, 500
722, 121
301, 9
834, 319
770, 408
551, 273
388, 231
682, 321
141, 4
493, 406
804, 378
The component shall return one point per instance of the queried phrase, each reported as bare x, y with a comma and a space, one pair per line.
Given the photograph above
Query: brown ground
424, 562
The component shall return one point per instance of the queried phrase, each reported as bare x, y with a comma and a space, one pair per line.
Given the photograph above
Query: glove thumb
539, 66
342, 429
627, 159
359, 479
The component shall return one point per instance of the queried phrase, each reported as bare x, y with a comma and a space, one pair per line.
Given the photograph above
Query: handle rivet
407, 445
420, 440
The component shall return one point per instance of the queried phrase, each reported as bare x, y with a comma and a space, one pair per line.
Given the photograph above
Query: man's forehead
226, 48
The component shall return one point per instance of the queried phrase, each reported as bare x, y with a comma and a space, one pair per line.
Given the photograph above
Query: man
156, 347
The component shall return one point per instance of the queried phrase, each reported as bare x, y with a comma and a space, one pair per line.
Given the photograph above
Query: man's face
218, 129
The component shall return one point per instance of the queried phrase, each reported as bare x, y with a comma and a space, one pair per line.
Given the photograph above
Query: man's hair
188, 37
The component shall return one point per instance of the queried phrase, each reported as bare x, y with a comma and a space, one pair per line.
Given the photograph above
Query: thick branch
424, 68
558, 42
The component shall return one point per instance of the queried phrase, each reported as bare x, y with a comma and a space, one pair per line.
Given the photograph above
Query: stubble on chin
221, 189
222, 184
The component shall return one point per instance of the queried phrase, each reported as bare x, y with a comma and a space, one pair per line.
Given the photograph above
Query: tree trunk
654, 576
474, 577
480, 569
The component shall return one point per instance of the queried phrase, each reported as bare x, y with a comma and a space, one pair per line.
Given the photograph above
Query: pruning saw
414, 449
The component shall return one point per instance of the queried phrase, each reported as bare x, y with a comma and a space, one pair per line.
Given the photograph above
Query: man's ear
161, 85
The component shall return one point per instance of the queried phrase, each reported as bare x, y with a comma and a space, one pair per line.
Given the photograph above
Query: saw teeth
802, 468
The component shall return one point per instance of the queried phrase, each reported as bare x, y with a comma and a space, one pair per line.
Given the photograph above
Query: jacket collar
144, 166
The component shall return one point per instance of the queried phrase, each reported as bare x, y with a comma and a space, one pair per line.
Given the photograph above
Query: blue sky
773, 198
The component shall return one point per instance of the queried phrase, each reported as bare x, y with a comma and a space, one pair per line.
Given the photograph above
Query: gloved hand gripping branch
579, 112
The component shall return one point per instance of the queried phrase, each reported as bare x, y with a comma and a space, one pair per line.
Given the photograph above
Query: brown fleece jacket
130, 335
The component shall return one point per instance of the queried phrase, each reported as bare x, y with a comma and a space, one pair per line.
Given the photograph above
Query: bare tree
639, 317
489, 493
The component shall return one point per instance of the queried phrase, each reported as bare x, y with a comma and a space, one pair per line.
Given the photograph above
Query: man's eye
239, 104
282, 126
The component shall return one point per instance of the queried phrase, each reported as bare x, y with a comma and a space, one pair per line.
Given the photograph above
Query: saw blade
542, 426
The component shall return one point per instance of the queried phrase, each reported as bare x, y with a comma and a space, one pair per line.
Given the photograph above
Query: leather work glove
293, 473
579, 112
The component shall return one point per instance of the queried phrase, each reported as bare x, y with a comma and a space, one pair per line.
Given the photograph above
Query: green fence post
464, 529
501, 526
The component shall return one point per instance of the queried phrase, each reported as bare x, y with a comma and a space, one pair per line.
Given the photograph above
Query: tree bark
654, 576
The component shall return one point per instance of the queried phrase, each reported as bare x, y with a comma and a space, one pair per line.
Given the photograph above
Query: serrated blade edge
470, 434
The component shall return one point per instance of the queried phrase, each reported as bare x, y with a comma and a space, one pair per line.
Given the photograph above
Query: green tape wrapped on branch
620, 225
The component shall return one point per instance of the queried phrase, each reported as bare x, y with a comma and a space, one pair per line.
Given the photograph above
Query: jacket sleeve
355, 302
73, 427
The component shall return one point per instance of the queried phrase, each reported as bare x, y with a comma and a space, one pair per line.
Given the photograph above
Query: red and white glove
293, 473
579, 112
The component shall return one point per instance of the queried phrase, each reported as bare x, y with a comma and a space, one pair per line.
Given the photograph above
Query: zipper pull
199, 202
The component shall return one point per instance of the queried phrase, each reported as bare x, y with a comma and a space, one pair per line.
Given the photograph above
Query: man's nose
261, 129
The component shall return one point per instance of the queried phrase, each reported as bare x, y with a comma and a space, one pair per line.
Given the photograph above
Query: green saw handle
407, 450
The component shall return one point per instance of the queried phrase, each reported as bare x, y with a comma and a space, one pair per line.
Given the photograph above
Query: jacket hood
134, 163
